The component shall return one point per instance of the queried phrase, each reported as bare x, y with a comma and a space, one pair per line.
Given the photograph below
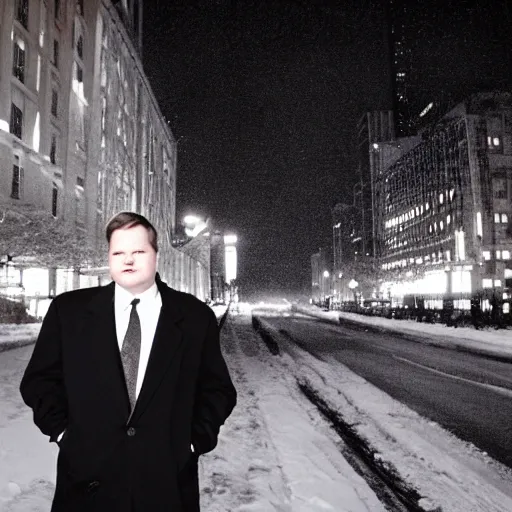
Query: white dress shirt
148, 310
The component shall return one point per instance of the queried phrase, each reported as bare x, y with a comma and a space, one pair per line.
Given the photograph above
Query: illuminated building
81, 137
444, 202
321, 275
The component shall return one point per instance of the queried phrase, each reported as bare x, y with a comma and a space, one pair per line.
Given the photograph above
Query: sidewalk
493, 343
18, 335
275, 452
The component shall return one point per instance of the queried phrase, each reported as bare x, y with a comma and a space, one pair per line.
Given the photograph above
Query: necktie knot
134, 302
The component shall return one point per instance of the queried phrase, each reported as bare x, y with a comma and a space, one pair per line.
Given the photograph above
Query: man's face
132, 259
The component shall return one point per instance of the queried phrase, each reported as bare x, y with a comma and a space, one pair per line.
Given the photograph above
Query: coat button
131, 431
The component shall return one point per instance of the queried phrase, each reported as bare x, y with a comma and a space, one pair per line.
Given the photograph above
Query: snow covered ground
275, 452
17, 335
490, 341
450, 475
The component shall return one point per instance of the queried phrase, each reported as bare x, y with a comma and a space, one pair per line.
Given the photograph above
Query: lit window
452, 192
504, 218
448, 219
427, 206
489, 141
441, 198
486, 255
18, 60
498, 255
441, 225
497, 218
505, 255
497, 282
496, 141
506, 307
448, 256
479, 230
486, 283
417, 211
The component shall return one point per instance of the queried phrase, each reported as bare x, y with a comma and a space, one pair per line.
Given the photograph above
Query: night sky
263, 98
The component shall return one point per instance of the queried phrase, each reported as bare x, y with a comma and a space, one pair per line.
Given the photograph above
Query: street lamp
194, 225
353, 284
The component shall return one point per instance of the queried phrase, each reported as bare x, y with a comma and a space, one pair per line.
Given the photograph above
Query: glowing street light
326, 273
194, 225
353, 284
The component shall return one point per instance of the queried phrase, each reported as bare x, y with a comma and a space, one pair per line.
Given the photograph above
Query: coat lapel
166, 344
103, 336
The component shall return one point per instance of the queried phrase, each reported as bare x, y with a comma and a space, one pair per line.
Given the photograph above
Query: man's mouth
128, 270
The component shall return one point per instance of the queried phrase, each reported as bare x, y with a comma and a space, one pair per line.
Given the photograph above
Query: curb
418, 338
11, 345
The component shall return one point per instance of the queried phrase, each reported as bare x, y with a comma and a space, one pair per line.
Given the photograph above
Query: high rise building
81, 138
444, 202
441, 51
372, 128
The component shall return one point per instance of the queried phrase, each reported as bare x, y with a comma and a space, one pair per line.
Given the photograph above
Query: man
130, 381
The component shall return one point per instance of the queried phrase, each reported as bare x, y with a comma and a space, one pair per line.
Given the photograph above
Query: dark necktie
130, 352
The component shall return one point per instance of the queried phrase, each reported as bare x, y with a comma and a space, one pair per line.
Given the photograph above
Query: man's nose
128, 259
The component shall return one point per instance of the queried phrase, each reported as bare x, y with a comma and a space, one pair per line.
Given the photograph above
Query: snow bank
447, 472
18, 335
496, 343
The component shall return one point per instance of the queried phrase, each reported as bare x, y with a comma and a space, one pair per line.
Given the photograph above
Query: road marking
497, 389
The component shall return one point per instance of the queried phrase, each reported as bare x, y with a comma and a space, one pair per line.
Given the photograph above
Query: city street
278, 452
467, 394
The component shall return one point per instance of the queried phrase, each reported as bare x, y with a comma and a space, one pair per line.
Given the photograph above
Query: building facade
81, 138
444, 201
321, 276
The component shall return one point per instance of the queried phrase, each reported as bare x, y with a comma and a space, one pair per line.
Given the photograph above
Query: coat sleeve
215, 394
42, 385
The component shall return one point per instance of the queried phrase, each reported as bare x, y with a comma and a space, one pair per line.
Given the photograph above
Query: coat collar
166, 347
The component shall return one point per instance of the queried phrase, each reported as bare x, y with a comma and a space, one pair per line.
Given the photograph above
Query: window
55, 198
504, 218
80, 47
78, 79
497, 218
505, 255
18, 60
498, 255
57, 9
16, 126
80, 5
80, 181
495, 133
53, 150
486, 283
55, 102
22, 12
17, 180
486, 255
42, 24
56, 53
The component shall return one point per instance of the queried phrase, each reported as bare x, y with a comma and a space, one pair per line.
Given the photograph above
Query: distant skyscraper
443, 50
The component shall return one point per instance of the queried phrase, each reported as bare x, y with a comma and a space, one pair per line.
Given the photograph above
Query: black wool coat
109, 461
